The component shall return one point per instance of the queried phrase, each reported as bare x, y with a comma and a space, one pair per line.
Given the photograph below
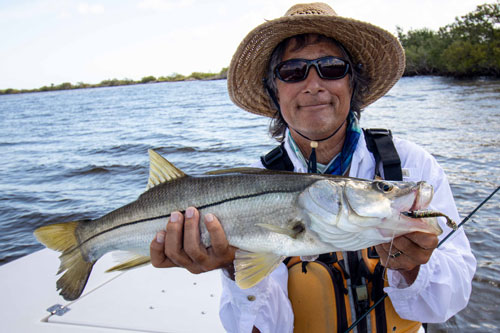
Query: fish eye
385, 186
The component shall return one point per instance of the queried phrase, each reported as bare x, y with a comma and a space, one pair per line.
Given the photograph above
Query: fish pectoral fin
250, 268
161, 170
132, 261
295, 229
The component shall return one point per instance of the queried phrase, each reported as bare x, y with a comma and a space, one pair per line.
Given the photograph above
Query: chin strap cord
312, 165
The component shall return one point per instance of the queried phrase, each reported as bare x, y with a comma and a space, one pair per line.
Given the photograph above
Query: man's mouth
313, 106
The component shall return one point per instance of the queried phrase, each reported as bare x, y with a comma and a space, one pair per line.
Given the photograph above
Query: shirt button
251, 298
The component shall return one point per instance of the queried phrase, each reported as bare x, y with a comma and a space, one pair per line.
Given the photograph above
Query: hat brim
379, 52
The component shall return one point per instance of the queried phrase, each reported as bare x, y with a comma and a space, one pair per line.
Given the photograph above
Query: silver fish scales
267, 215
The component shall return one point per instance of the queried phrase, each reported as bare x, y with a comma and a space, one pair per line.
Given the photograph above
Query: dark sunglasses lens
292, 71
332, 68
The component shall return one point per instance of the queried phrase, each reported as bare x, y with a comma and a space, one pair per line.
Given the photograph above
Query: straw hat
380, 53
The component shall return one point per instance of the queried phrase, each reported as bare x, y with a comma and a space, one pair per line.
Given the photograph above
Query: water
77, 154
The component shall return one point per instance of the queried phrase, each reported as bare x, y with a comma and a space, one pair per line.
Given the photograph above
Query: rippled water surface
78, 154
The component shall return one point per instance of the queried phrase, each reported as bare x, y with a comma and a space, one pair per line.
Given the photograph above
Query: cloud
163, 4
53, 9
85, 8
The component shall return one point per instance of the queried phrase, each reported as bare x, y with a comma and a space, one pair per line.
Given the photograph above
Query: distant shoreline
466, 48
195, 76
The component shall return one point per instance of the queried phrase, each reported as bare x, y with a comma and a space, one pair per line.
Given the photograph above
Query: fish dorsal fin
161, 170
250, 268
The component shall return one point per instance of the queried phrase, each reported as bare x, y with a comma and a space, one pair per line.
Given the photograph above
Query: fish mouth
423, 196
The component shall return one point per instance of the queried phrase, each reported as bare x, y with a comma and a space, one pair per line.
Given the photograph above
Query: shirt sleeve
265, 306
443, 285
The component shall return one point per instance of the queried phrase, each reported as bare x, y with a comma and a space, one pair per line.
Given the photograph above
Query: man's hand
180, 246
408, 252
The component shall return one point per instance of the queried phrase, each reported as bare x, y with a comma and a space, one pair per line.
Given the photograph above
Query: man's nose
313, 82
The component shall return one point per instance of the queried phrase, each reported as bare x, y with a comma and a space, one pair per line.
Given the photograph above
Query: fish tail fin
61, 237
72, 282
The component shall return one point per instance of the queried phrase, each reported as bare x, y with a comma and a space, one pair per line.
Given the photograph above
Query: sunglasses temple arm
271, 94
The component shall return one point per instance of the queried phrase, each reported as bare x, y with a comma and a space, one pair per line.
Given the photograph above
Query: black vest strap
377, 293
379, 143
277, 159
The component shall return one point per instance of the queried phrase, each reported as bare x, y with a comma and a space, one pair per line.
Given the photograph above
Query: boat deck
145, 299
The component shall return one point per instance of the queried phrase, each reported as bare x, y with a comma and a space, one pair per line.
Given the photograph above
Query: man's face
315, 107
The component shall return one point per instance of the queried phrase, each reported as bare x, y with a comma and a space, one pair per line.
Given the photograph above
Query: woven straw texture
377, 50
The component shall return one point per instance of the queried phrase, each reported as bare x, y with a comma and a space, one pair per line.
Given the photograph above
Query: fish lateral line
131, 223
154, 206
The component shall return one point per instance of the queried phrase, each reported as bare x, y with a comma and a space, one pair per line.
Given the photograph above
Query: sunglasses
295, 70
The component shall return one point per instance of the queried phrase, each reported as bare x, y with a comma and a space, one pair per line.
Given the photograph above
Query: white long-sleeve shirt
442, 287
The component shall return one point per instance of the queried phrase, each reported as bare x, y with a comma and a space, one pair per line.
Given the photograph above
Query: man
313, 71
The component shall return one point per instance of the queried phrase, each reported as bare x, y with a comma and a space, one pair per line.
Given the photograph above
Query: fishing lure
413, 214
431, 213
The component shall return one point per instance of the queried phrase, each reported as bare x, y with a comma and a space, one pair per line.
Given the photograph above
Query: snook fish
267, 215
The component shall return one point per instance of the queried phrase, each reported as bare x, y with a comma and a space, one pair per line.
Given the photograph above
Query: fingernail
190, 212
174, 217
160, 237
209, 218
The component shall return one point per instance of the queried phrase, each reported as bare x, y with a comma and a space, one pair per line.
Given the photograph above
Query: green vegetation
115, 82
468, 47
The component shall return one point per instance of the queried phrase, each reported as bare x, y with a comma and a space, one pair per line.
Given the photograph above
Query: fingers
157, 252
174, 241
408, 251
219, 242
424, 240
180, 245
220, 248
192, 245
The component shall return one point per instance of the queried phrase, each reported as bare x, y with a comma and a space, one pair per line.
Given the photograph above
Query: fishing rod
441, 242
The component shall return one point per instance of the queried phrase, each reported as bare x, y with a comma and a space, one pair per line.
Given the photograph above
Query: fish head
380, 197
365, 199
350, 214
389, 200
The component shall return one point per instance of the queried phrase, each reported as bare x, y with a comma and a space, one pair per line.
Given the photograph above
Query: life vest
328, 294
324, 296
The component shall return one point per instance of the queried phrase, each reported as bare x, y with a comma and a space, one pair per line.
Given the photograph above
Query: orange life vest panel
319, 294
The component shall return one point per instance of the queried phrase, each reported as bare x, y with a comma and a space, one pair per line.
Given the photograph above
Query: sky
45, 42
